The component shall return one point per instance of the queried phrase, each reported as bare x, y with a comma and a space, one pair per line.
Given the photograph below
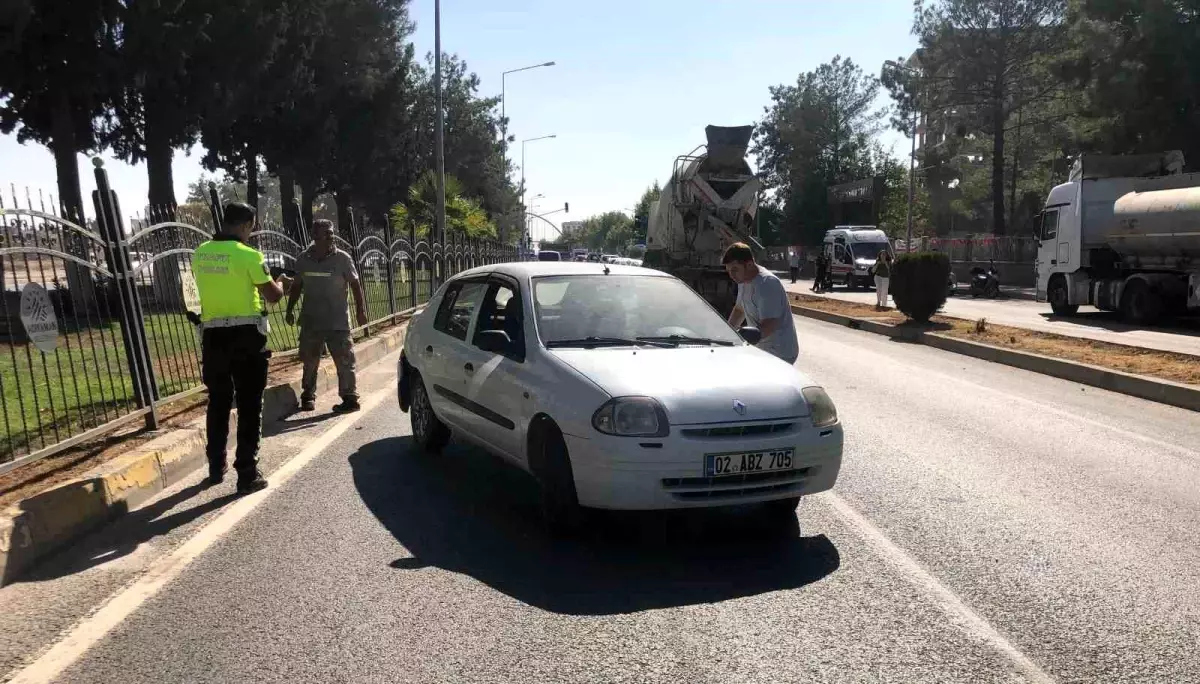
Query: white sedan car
617, 387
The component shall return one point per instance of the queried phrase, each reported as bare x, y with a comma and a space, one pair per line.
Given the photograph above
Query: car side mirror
750, 334
494, 341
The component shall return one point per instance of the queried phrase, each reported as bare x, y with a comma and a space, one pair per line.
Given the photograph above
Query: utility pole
440, 229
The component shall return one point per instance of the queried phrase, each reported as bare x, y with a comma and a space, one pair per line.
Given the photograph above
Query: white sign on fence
191, 293
37, 315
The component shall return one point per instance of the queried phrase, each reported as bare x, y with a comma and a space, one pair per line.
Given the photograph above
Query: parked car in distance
549, 255
596, 379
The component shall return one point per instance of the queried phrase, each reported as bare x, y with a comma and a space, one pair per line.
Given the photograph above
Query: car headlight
824, 413
631, 417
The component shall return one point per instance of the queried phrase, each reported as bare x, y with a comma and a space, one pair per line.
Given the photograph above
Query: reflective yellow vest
227, 273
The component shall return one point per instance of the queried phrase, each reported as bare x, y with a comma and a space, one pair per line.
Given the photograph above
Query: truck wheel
1059, 301
1139, 305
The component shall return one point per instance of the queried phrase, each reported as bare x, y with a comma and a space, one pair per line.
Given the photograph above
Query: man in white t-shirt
761, 302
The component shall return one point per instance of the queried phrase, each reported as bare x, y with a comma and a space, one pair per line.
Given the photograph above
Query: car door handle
470, 368
1054, 262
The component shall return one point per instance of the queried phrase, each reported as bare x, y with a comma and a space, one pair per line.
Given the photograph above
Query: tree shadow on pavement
126, 534
466, 511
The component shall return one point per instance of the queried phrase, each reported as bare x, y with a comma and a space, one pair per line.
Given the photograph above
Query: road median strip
952, 338
49, 520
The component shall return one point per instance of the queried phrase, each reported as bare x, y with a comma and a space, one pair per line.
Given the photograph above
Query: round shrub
919, 283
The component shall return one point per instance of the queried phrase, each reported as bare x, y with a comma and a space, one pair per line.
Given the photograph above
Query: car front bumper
625, 473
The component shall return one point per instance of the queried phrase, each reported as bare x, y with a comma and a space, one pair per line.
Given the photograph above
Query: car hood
698, 384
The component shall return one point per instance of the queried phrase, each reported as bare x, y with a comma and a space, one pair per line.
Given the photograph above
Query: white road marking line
1041, 406
950, 604
161, 572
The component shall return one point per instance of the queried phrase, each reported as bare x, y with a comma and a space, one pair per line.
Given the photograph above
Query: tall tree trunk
158, 159
998, 167
287, 198
251, 178
65, 148
1012, 201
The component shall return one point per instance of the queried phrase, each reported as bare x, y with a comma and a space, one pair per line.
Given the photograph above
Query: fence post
133, 324
391, 273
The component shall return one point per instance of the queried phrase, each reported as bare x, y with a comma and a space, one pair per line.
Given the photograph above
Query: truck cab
1122, 234
852, 252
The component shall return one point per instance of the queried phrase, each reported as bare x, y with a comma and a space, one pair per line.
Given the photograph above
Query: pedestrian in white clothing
883, 277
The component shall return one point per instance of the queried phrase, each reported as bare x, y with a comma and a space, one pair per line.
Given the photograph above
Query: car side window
458, 308
842, 254
501, 310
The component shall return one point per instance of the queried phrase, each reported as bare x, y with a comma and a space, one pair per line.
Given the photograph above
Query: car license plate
716, 465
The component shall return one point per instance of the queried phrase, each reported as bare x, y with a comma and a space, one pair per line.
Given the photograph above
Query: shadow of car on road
468, 512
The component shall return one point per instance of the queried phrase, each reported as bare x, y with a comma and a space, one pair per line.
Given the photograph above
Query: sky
634, 85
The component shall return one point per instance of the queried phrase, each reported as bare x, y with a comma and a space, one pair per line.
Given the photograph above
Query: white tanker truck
710, 203
1122, 234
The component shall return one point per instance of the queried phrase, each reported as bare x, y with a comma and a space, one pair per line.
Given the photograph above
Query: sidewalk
1090, 323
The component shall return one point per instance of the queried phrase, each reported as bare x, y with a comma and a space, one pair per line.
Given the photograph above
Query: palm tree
464, 216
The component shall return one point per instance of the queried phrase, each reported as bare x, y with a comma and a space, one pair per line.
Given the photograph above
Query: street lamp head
548, 64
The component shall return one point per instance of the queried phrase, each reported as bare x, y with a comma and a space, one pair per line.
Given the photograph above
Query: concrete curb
45, 522
1153, 389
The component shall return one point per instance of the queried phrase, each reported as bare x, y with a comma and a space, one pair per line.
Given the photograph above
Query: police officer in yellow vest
233, 280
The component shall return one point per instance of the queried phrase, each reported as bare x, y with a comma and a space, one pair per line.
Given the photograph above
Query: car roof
523, 270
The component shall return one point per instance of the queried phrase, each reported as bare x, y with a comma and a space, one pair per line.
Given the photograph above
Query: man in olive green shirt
323, 274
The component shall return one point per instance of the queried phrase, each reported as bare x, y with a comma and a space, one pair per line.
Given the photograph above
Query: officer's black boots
251, 482
216, 474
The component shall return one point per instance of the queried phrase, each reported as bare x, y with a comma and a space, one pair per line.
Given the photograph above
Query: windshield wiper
593, 341
684, 339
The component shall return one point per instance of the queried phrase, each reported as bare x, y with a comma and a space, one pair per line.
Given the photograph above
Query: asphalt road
990, 525
1182, 336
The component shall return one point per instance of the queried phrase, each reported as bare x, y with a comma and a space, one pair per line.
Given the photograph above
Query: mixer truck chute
1122, 234
709, 203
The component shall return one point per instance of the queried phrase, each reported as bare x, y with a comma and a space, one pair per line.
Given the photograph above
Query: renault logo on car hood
739, 407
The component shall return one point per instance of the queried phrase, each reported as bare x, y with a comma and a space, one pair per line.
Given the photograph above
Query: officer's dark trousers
235, 364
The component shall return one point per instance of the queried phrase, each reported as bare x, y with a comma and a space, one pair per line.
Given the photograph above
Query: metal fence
93, 314
1002, 249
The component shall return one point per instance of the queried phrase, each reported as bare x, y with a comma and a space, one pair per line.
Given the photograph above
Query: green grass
85, 381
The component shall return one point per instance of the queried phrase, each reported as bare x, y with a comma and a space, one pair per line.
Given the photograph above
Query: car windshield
868, 250
624, 307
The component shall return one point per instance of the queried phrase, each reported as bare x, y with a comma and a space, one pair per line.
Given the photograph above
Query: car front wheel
429, 433
561, 512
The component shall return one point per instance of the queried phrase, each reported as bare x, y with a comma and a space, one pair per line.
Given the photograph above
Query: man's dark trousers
235, 361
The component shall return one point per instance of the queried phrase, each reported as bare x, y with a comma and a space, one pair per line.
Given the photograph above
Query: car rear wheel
429, 433
561, 513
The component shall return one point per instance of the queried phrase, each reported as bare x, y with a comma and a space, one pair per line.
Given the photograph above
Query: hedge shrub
919, 283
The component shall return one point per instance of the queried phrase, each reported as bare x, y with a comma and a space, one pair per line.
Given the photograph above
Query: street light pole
528, 140
912, 156
439, 132
912, 180
504, 111
504, 100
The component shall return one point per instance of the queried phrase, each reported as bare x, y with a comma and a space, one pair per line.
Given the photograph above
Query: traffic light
566, 207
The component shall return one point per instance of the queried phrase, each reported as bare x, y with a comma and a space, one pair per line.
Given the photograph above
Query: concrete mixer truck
1122, 234
709, 203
